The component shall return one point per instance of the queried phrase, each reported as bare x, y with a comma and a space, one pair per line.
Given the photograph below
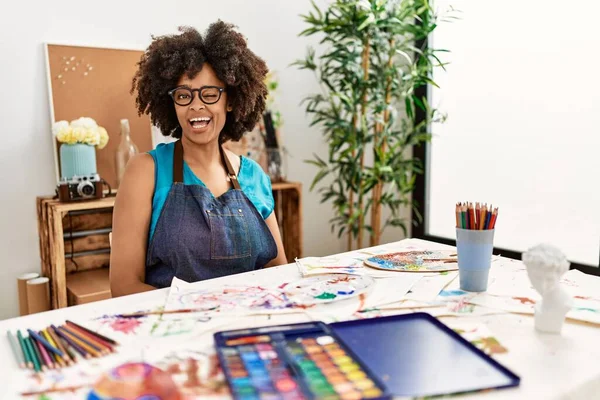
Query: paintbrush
160, 312
384, 308
445, 260
54, 390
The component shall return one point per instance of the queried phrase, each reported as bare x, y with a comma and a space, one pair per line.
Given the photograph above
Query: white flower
84, 122
82, 130
59, 127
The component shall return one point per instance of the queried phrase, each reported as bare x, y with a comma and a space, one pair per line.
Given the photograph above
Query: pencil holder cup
474, 250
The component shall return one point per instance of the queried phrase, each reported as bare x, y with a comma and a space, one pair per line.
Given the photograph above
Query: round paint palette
415, 261
327, 288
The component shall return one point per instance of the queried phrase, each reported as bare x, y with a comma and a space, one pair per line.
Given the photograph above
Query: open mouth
200, 122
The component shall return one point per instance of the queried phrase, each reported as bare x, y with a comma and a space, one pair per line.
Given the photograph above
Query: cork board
95, 82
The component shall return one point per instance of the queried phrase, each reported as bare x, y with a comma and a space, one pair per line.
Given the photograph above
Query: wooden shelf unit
74, 236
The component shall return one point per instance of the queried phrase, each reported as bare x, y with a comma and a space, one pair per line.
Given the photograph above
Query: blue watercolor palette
411, 355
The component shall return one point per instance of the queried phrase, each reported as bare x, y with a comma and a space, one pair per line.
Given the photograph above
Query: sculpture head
545, 265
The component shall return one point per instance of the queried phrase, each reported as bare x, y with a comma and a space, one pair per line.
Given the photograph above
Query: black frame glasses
202, 94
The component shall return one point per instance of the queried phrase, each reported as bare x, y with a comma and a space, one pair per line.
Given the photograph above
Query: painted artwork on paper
329, 265
415, 261
230, 300
327, 288
480, 336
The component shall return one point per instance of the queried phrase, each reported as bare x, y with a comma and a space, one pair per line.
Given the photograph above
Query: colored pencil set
57, 347
478, 217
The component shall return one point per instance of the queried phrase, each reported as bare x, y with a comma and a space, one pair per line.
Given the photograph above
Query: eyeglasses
183, 96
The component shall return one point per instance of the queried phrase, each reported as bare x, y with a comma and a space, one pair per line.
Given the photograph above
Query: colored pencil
44, 353
34, 355
108, 340
493, 220
482, 215
45, 343
84, 339
53, 357
38, 353
58, 359
28, 360
471, 216
457, 215
89, 349
74, 355
15, 349
478, 216
71, 343
59, 343
94, 339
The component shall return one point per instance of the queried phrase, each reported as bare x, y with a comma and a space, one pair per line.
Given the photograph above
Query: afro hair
169, 57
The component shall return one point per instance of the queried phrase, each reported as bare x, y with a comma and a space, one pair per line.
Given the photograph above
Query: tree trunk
378, 141
365, 66
351, 194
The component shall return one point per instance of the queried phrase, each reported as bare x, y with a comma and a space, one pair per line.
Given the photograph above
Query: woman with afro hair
191, 209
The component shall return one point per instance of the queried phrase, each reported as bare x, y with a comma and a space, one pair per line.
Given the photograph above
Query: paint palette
374, 358
301, 361
327, 288
416, 261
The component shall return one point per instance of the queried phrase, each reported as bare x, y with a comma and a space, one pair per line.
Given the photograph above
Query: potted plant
373, 63
78, 139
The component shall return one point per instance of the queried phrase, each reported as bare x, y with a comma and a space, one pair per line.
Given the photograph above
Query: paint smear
326, 296
125, 325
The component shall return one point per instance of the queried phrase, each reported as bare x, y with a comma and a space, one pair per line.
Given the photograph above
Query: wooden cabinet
74, 239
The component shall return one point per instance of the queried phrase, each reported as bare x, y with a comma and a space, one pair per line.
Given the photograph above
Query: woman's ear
229, 108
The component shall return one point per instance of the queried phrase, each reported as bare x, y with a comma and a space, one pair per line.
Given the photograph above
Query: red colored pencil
493, 219
471, 216
93, 333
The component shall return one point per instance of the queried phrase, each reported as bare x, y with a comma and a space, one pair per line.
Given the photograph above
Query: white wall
26, 152
522, 93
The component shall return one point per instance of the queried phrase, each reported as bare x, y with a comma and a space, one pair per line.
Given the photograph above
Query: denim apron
200, 237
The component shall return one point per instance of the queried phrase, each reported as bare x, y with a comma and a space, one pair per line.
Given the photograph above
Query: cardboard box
88, 286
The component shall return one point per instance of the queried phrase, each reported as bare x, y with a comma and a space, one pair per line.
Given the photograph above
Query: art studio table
562, 366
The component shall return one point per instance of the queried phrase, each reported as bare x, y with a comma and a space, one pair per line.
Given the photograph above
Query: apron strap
230, 171
178, 165
178, 162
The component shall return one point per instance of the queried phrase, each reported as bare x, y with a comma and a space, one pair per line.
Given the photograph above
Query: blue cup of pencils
474, 244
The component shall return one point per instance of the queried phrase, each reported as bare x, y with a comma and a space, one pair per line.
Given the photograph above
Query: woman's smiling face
202, 123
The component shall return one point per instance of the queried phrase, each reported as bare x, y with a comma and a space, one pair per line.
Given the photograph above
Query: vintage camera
80, 188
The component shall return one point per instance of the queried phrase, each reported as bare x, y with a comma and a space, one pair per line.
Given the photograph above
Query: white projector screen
522, 97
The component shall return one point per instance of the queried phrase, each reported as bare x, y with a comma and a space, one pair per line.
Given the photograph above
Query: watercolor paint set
379, 358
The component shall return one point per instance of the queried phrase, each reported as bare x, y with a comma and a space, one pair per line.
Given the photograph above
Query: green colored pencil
16, 350
28, 360
32, 352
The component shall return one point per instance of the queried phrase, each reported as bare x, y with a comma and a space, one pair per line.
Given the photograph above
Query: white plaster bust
545, 266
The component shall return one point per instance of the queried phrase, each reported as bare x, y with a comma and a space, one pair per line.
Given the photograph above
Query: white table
563, 366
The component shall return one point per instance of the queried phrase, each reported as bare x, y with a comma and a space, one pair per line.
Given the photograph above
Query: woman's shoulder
253, 173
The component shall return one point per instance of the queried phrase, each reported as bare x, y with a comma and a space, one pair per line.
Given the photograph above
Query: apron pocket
229, 237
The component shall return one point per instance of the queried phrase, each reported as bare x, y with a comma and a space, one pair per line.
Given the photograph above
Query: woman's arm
131, 221
271, 222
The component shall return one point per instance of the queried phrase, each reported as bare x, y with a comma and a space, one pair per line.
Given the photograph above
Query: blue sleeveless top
255, 184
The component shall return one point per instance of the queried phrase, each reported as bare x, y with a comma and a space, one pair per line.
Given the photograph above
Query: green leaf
368, 21
320, 175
